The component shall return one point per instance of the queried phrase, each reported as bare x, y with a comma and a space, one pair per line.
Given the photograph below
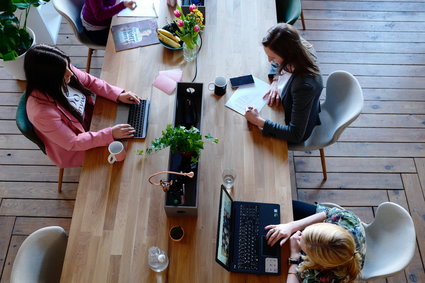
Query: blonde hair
331, 247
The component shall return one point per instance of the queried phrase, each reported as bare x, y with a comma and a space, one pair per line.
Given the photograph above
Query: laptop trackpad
122, 113
270, 250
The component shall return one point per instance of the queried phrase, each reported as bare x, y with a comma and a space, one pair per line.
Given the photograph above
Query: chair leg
89, 60
302, 19
60, 180
322, 159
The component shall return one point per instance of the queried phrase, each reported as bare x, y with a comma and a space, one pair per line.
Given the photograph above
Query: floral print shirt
349, 221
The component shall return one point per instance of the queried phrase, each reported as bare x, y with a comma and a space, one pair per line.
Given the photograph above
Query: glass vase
190, 51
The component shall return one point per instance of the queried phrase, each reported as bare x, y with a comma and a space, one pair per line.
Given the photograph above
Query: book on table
135, 34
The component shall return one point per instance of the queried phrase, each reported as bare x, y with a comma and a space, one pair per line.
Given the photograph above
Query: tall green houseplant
14, 37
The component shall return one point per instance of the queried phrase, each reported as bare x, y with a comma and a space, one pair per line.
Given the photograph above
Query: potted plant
187, 142
15, 37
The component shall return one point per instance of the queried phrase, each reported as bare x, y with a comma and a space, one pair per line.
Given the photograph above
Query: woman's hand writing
278, 232
122, 131
253, 116
272, 95
130, 4
129, 98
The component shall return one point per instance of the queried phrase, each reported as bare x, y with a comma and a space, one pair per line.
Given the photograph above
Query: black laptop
241, 243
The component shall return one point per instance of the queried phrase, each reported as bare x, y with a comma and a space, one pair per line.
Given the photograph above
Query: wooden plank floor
380, 157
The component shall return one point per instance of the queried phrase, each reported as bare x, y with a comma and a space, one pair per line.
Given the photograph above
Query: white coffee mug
117, 152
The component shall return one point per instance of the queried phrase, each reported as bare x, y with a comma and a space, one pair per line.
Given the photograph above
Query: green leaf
180, 139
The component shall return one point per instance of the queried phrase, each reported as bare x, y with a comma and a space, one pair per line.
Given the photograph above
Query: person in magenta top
96, 17
60, 106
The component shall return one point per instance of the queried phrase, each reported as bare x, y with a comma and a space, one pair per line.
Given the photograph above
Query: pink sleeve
48, 120
98, 86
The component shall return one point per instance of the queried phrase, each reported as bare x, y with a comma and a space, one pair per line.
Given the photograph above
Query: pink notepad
167, 80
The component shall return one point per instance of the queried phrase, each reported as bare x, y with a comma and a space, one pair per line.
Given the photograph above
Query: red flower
180, 23
177, 13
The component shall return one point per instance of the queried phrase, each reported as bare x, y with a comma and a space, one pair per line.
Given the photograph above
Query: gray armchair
40, 257
70, 10
343, 104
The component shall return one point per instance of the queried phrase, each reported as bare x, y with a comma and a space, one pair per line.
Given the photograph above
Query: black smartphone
242, 80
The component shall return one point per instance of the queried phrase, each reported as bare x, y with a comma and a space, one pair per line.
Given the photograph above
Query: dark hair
284, 40
45, 68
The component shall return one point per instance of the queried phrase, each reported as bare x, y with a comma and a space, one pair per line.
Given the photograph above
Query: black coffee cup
219, 86
176, 233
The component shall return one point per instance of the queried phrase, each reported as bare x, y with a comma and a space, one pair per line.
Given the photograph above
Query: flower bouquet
189, 27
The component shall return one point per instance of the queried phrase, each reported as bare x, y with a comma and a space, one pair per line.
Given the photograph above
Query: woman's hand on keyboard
280, 232
129, 98
122, 131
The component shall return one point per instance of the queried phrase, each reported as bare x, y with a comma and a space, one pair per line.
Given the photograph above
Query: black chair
27, 129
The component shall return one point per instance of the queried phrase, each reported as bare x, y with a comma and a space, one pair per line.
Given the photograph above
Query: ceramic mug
117, 152
218, 86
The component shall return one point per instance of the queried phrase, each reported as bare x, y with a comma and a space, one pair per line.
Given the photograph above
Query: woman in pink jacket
60, 106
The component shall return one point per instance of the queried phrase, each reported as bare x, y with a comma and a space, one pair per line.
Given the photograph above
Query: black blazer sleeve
301, 104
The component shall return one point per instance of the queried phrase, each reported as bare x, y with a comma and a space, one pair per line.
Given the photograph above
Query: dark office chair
288, 11
27, 129
71, 10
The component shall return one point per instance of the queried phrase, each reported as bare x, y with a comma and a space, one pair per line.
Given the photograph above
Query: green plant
14, 38
180, 139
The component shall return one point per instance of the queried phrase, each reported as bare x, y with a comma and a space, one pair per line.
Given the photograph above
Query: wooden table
118, 215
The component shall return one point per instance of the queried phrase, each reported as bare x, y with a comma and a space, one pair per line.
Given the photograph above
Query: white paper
145, 8
251, 95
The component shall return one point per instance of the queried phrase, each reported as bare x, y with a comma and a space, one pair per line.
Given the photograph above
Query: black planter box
182, 198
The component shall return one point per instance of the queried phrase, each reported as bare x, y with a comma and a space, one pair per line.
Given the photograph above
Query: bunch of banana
168, 38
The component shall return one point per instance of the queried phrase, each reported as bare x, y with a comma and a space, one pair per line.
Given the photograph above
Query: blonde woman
331, 248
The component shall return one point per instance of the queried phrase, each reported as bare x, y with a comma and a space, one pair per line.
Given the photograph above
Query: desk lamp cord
196, 59
165, 185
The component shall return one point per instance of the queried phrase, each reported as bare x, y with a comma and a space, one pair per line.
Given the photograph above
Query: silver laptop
137, 115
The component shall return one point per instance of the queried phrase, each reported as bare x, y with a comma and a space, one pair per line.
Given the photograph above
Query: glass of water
229, 176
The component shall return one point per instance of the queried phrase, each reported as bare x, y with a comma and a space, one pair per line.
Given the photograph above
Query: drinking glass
229, 176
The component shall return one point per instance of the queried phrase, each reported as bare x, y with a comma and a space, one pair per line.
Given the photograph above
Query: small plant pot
176, 233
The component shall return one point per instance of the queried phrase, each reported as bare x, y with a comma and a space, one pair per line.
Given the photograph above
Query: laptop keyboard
138, 118
249, 233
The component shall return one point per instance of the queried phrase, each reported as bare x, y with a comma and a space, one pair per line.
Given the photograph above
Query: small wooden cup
176, 233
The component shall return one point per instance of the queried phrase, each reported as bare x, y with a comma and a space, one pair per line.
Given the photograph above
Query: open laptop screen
223, 234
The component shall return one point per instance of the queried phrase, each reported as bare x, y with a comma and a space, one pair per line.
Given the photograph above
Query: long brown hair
284, 40
329, 246
45, 68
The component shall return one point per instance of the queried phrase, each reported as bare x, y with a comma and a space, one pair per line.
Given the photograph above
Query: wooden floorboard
380, 157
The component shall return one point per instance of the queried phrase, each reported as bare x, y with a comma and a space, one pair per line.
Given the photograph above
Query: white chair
40, 257
390, 242
343, 104
70, 10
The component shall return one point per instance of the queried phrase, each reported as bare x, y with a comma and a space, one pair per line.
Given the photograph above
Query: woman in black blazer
297, 85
